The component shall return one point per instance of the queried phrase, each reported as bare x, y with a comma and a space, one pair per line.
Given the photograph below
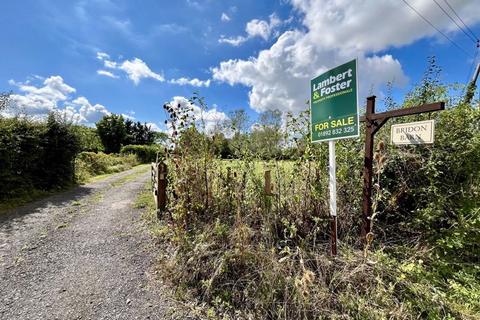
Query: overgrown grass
91, 164
251, 255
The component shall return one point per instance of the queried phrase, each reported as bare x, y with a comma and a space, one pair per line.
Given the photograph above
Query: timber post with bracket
373, 122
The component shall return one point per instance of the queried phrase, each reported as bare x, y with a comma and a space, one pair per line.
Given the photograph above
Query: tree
112, 132
4, 100
160, 137
138, 133
60, 147
129, 130
221, 146
266, 138
238, 124
88, 138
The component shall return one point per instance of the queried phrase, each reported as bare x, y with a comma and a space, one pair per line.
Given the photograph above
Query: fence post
268, 183
162, 186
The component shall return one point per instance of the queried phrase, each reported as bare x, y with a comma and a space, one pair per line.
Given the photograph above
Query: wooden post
373, 122
268, 183
368, 169
162, 186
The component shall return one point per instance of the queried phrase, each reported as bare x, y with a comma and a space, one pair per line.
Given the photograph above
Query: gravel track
82, 254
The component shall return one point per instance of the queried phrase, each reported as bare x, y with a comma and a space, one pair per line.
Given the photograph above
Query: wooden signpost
373, 122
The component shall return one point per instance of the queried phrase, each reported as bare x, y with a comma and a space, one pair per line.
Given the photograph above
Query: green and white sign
333, 104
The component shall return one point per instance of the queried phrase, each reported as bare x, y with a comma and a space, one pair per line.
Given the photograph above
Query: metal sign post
334, 115
332, 185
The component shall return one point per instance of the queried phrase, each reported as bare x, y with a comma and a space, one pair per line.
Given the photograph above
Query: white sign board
413, 133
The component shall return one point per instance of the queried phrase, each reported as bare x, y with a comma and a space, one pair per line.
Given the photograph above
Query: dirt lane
82, 255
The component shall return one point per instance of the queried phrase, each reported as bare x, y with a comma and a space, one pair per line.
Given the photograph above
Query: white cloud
236, 41
89, 113
102, 56
136, 70
54, 95
41, 100
154, 127
193, 82
254, 28
129, 115
107, 74
262, 28
335, 32
110, 64
225, 17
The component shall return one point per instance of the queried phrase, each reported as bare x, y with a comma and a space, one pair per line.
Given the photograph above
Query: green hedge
144, 153
35, 156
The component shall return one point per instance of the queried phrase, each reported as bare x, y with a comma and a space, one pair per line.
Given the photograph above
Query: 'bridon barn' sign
413, 133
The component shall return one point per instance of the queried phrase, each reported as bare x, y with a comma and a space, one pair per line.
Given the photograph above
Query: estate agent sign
419, 132
333, 104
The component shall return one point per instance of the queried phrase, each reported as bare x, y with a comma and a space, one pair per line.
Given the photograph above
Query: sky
90, 58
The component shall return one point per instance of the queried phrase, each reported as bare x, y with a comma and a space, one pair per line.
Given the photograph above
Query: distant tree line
114, 132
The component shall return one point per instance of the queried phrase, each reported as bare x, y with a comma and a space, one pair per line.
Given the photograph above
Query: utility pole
472, 86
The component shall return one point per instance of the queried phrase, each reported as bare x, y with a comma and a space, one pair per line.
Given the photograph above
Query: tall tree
112, 132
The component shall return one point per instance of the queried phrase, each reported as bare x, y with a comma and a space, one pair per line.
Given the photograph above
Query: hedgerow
35, 155
144, 153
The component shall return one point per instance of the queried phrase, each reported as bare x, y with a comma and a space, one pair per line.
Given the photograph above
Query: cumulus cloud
193, 82
89, 113
136, 70
54, 95
102, 56
234, 41
335, 32
41, 100
225, 17
254, 28
107, 74
262, 28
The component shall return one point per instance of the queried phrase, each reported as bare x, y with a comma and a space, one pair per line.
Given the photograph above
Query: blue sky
89, 58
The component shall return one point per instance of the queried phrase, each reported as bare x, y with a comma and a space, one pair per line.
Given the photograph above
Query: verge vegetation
39, 157
250, 255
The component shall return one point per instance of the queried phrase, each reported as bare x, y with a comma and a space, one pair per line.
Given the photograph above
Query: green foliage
90, 164
88, 138
144, 153
115, 132
35, 155
257, 256
60, 146
112, 132
138, 133
160, 138
4, 100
